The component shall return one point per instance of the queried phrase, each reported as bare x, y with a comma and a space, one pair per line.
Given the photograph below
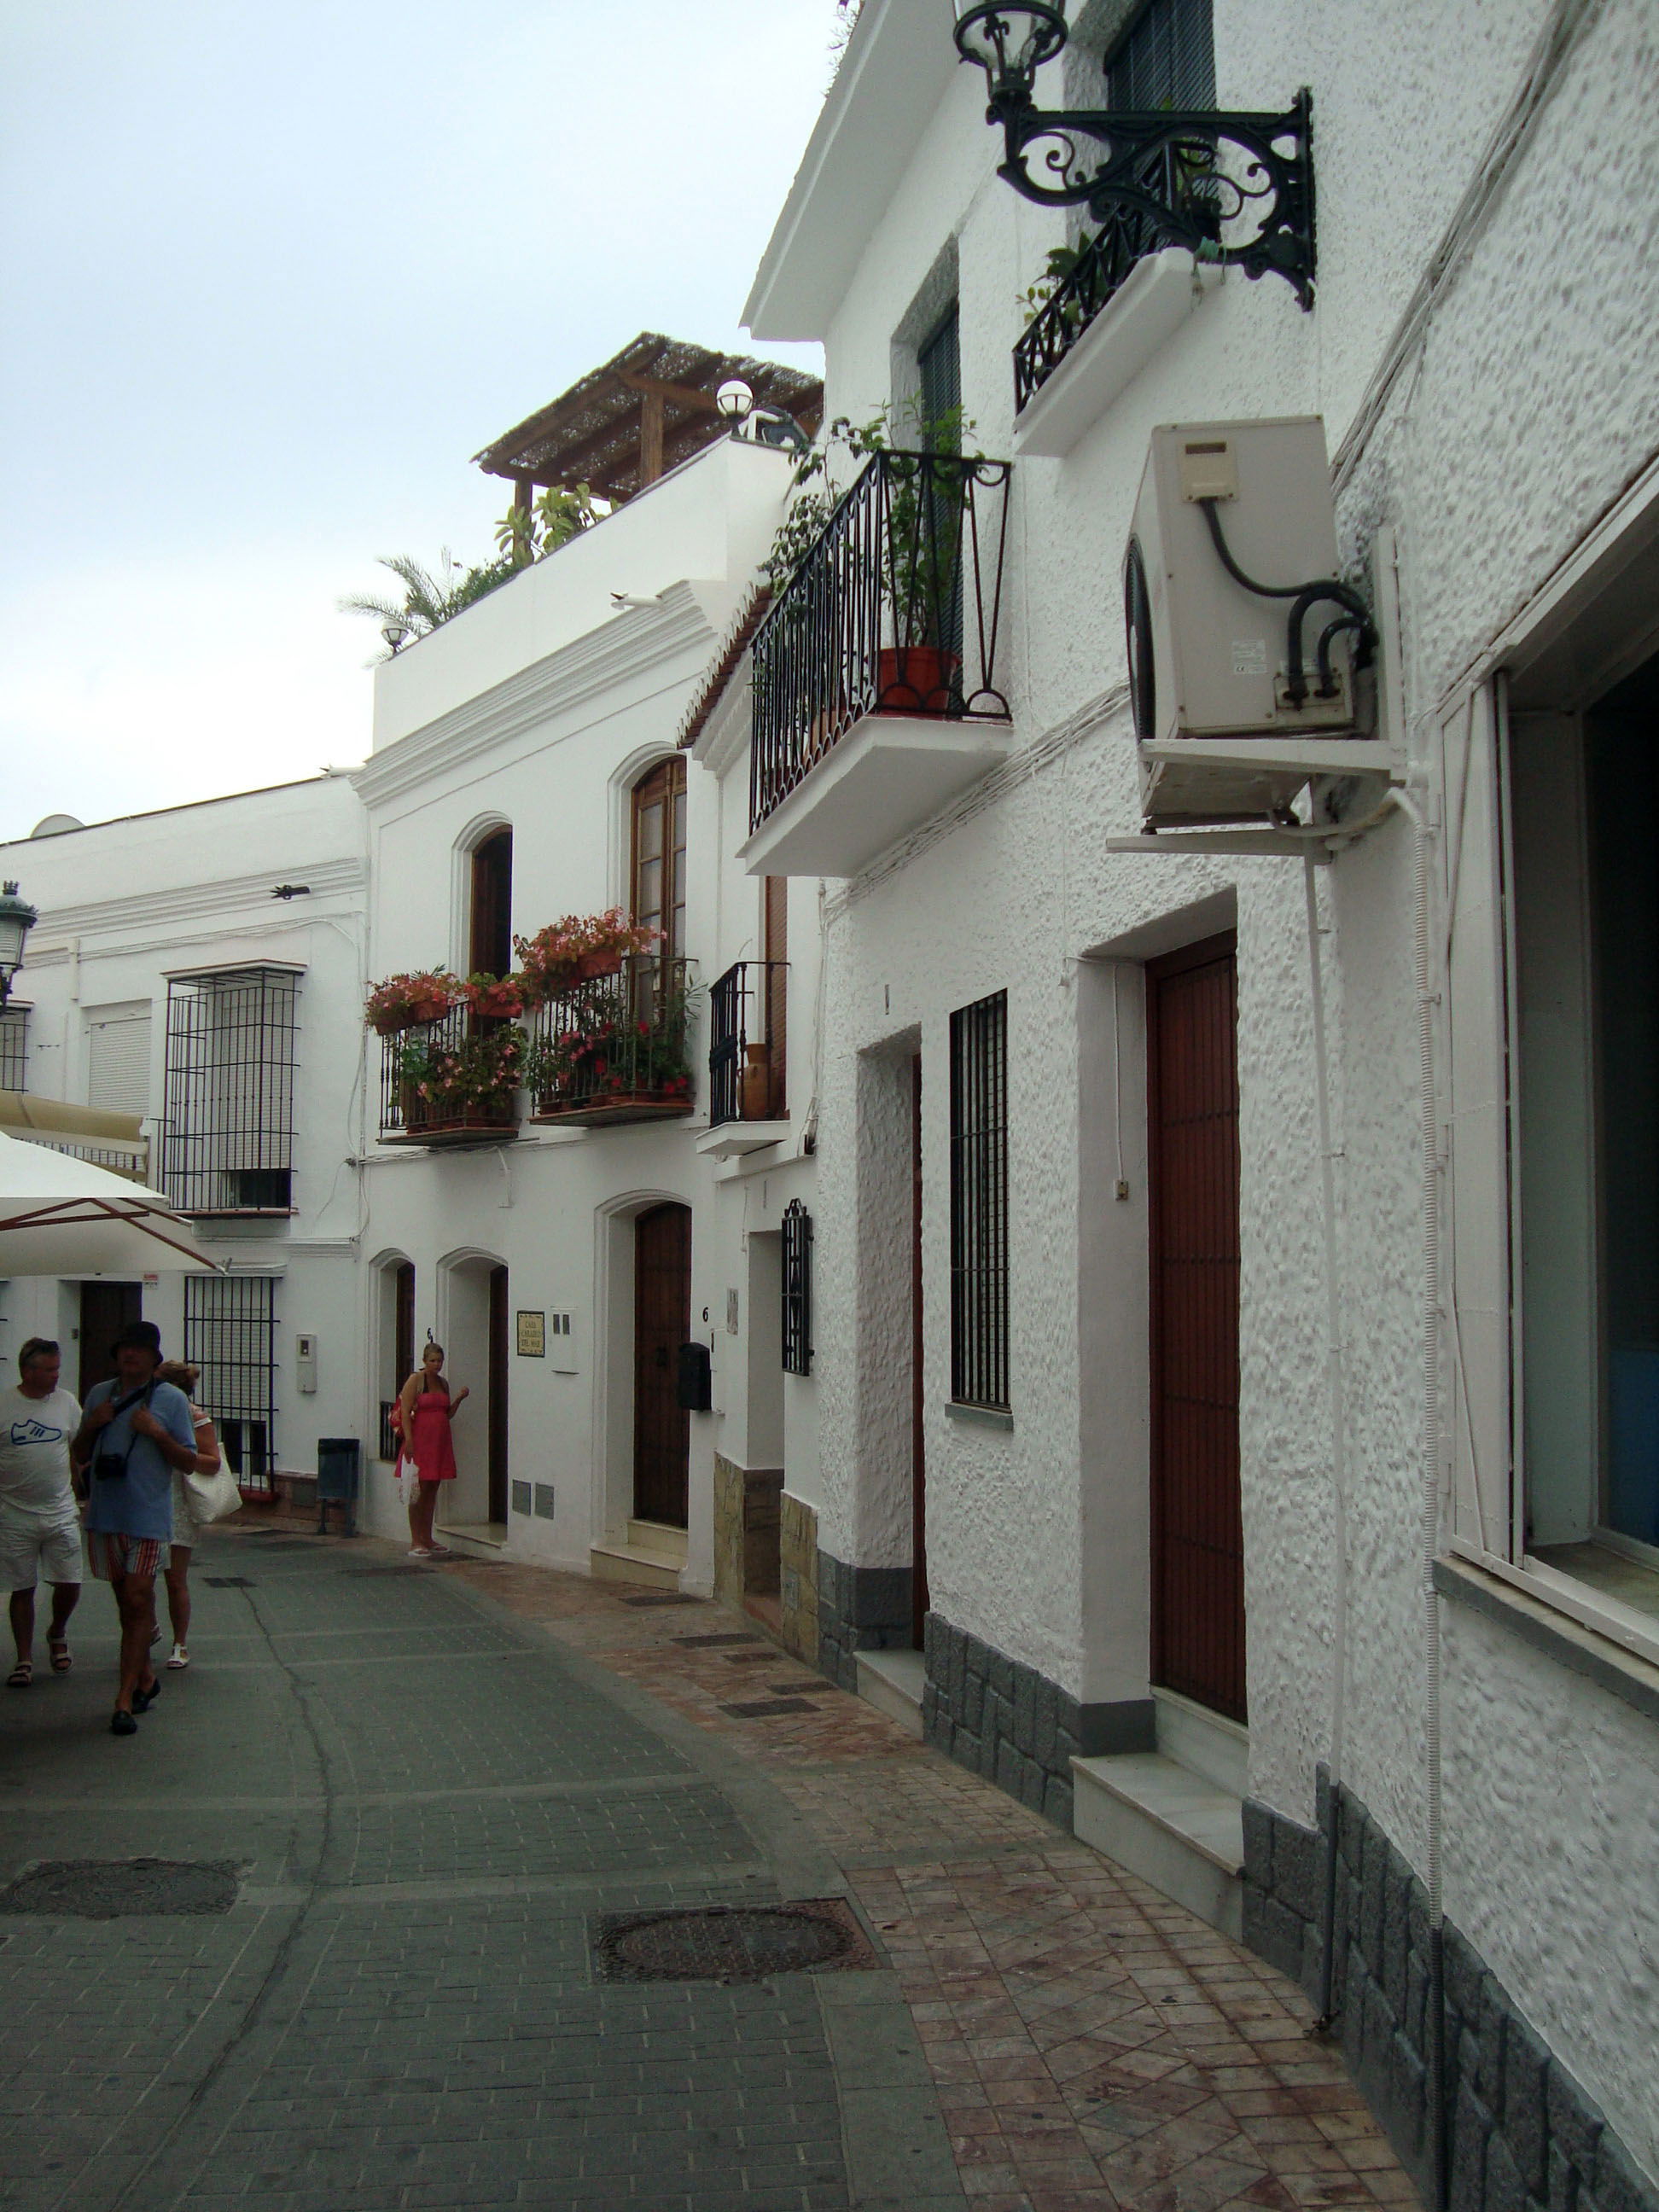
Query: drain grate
112, 1889
357, 1573
228, 1582
710, 1643
730, 1942
754, 1709
663, 1597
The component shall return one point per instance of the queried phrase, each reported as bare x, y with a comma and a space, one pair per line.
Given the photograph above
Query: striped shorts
115, 1555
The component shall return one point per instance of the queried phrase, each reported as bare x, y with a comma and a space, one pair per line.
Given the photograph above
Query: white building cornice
129, 916
626, 649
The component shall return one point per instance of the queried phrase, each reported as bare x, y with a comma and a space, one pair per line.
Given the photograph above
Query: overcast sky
272, 275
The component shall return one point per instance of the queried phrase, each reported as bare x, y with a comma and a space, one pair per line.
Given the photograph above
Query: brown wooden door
498, 1387
659, 853
662, 1322
1198, 1548
918, 1406
403, 1326
489, 940
106, 1309
775, 941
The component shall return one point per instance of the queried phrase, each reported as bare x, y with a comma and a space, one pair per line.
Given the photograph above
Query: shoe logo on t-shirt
35, 1432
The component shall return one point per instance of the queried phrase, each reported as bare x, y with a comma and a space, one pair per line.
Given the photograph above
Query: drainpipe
1336, 1381
1430, 1440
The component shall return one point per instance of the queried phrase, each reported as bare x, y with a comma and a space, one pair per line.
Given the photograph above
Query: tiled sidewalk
1094, 2046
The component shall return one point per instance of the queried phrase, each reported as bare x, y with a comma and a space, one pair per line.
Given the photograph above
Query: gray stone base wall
859, 1609
1521, 2135
1006, 1721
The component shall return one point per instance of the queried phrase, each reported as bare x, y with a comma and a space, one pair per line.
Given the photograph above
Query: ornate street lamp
1169, 176
17, 918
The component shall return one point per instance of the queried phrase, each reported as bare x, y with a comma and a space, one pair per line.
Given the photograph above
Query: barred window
228, 1136
230, 1334
979, 1203
797, 1289
14, 1045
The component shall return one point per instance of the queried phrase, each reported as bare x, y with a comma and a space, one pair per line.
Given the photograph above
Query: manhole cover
110, 1889
730, 1942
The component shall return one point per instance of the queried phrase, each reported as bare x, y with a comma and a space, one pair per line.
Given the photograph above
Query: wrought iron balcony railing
746, 1033
454, 1081
894, 612
614, 1048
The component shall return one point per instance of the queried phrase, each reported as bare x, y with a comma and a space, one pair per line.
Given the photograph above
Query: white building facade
1250, 1485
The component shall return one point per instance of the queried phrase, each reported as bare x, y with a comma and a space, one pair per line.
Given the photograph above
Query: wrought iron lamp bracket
1189, 194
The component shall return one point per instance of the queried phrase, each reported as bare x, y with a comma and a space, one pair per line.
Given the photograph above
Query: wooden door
106, 1309
775, 941
489, 939
659, 853
662, 1322
1198, 1549
918, 1426
498, 1387
403, 1326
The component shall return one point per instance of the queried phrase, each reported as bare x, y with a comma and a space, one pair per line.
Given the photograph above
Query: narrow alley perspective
368, 1919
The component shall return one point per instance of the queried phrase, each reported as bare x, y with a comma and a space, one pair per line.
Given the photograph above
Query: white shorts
50, 1554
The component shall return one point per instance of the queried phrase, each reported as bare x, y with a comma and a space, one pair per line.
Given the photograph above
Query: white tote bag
212, 1497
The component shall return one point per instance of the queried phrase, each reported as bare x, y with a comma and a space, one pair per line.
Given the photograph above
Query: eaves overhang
896, 68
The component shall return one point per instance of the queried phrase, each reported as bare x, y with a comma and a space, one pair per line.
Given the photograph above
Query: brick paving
1093, 2045
431, 1781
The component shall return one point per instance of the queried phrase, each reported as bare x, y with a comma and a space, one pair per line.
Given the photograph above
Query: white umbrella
61, 1216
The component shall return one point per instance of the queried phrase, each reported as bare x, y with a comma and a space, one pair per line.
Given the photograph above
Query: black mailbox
339, 1478
696, 1391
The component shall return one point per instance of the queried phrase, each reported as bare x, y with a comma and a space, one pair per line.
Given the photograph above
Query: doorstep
476, 1539
892, 1682
1176, 1815
652, 1554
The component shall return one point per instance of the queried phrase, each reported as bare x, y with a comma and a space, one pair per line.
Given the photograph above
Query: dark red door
1197, 1547
662, 1322
498, 1388
918, 1409
106, 1309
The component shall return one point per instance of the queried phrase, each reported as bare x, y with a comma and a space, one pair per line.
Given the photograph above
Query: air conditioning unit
1249, 658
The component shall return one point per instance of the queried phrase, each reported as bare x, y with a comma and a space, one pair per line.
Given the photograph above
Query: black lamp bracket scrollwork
1185, 176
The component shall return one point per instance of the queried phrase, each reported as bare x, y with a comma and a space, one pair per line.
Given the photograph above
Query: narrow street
416, 1790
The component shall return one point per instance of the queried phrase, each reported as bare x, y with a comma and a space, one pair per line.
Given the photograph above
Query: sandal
180, 1657
419, 1552
59, 1652
21, 1676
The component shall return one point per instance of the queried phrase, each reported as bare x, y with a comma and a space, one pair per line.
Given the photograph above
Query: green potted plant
403, 1002
577, 949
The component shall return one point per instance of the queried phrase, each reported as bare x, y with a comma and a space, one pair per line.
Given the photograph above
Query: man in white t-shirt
40, 1526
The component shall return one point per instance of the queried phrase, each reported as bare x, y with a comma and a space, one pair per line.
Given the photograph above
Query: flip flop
21, 1676
59, 1652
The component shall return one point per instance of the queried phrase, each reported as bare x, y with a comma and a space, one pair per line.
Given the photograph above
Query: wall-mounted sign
533, 1336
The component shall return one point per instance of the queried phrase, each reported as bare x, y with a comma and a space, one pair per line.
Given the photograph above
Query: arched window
489, 933
659, 873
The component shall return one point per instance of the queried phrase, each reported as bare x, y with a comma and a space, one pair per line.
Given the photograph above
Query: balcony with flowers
608, 1041
452, 1057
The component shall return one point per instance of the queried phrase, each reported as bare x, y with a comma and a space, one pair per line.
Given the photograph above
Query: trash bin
340, 1478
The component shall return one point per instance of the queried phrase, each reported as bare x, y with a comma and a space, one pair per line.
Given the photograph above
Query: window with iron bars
230, 1334
797, 1289
979, 1203
14, 1045
227, 1137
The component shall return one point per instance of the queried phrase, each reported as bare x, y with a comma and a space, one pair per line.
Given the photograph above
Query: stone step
1207, 1742
659, 1537
473, 1539
892, 1682
1176, 1829
653, 1556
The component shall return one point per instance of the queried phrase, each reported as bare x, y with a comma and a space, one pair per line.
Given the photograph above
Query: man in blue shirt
135, 1431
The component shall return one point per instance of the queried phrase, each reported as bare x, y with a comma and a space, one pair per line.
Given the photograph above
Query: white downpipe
1430, 1446
1336, 1385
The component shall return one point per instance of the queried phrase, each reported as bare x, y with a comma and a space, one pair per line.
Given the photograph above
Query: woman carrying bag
426, 1455
201, 1493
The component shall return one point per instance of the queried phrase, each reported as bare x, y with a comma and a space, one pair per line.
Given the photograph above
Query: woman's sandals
21, 1676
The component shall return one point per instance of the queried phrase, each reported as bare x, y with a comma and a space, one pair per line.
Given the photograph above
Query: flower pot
754, 1085
500, 1004
427, 1010
593, 965
914, 679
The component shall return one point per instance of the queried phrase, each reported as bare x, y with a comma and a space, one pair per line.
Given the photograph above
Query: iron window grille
230, 1334
979, 1203
894, 610
14, 1045
388, 1435
227, 1117
797, 1289
744, 1017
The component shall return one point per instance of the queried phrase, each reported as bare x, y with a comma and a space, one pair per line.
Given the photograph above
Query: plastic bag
409, 1479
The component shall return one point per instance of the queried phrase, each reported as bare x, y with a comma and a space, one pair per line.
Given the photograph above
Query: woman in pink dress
429, 1449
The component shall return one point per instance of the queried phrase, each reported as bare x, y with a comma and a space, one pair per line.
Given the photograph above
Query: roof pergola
651, 407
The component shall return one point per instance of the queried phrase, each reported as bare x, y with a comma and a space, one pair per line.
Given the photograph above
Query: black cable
1326, 688
1305, 596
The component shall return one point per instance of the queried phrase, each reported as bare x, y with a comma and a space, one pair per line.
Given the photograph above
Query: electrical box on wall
1247, 654
305, 1362
560, 1344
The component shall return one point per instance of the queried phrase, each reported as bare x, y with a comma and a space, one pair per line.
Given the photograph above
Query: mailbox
695, 1392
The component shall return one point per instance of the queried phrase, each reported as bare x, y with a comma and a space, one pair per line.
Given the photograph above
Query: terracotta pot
427, 1010
755, 1090
914, 679
593, 965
